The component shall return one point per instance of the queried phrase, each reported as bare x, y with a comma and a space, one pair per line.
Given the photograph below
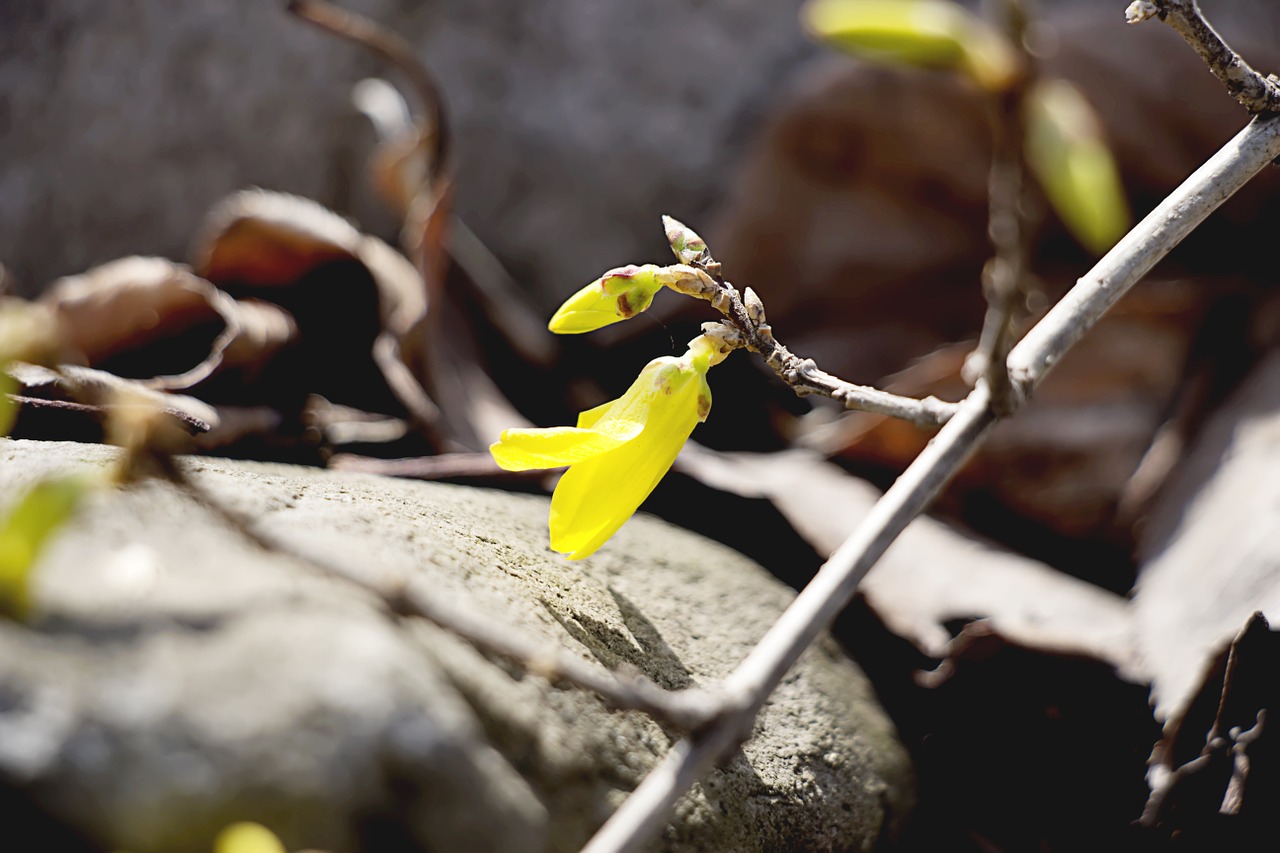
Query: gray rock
1209, 553
177, 678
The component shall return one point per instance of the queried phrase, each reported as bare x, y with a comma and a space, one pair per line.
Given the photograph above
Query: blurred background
121, 123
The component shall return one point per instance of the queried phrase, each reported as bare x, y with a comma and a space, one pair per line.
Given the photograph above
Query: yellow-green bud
617, 295
1067, 151
929, 33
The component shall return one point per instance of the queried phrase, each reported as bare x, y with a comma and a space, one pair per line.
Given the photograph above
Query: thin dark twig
805, 377
700, 277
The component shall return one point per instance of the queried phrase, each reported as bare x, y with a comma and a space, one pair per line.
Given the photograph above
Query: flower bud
685, 242
1067, 151
618, 294
928, 33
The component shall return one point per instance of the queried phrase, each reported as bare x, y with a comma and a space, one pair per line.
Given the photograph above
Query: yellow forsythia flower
619, 451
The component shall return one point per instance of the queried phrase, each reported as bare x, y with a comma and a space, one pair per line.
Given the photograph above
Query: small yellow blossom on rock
619, 451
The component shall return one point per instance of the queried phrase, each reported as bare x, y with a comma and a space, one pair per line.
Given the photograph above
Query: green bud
685, 242
30, 524
1068, 154
929, 33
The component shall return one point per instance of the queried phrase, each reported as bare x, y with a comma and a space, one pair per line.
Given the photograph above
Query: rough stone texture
178, 678
577, 122
1210, 556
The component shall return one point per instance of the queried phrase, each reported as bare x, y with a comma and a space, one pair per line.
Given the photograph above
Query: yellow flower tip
247, 838
587, 310
570, 322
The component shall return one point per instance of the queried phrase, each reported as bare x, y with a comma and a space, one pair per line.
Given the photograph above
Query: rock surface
178, 678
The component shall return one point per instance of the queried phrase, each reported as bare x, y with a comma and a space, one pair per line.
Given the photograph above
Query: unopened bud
928, 33
685, 242
1067, 151
618, 294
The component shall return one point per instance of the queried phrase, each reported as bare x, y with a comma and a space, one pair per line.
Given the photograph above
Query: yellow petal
525, 449
589, 418
577, 322
597, 496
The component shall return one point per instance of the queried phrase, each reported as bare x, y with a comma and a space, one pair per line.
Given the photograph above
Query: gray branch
1256, 93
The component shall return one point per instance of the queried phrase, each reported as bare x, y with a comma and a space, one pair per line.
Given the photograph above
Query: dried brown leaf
152, 319
1209, 552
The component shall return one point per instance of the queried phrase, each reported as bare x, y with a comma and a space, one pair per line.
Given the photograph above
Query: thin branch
644, 813
1005, 276
1256, 93
699, 277
804, 376
749, 686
